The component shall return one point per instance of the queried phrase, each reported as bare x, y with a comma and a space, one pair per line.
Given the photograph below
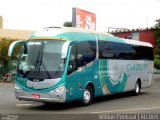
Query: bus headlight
59, 89
17, 87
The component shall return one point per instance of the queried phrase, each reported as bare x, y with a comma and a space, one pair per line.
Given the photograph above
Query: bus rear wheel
137, 88
87, 96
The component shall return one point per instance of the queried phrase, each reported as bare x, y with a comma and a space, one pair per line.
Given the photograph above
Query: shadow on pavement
75, 104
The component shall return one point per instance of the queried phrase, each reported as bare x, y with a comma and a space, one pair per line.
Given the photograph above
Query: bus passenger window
81, 54
86, 52
105, 50
72, 60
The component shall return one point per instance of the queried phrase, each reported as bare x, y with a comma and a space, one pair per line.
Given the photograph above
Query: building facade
14, 34
145, 35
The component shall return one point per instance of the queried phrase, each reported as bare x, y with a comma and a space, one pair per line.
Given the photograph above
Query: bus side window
106, 50
72, 60
86, 52
81, 54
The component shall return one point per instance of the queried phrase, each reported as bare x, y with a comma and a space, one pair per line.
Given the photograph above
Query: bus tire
137, 88
87, 96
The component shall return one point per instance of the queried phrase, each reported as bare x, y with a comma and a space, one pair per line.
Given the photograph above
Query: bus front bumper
55, 96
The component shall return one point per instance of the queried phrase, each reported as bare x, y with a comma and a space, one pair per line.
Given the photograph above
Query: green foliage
4, 45
157, 33
157, 25
157, 63
4, 58
67, 24
157, 44
4, 70
157, 37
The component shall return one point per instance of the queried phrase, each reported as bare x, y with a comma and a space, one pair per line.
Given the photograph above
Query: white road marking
96, 112
125, 110
20, 105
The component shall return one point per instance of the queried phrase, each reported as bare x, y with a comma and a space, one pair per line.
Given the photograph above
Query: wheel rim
137, 88
87, 96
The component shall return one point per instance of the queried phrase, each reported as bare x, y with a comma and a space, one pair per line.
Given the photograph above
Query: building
145, 35
14, 34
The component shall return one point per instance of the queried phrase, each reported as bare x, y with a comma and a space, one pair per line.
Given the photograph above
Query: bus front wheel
87, 96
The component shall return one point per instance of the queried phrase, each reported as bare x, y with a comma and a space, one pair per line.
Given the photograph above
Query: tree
4, 58
157, 25
67, 24
4, 45
157, 44
157, 33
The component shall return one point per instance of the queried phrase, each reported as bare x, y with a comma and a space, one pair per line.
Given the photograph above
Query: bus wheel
137, 88
87, 96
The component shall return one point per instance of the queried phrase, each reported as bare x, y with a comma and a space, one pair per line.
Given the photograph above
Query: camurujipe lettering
137, 67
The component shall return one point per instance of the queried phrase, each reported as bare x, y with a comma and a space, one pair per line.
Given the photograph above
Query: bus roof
72, 33
136, 42
58, 30
68, 33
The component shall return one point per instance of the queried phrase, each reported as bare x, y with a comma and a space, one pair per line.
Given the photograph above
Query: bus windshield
41, 59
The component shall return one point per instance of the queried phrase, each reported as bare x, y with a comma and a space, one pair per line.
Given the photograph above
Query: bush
5, 60
5, 69
157, 63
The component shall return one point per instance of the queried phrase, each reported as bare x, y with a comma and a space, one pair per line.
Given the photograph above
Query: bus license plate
35, 96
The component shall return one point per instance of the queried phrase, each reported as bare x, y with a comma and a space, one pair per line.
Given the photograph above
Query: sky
38, 14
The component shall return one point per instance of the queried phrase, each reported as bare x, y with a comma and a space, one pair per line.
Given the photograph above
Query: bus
59, 64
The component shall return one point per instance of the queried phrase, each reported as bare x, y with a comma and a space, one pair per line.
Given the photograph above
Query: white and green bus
68, 64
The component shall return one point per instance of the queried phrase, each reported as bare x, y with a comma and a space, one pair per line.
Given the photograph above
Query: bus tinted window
123, 51
86, 52
143, 52
105, 50
115, 50
81, 54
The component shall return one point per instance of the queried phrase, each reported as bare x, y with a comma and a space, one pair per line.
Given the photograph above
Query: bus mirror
64, 49
13, 45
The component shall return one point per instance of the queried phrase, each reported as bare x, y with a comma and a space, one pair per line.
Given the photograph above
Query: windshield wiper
39, 58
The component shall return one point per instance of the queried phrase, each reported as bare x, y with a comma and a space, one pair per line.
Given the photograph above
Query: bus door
81, 68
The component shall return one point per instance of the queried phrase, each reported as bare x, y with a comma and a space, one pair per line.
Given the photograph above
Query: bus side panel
121, 75
113, 76
78, 80
139, 69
